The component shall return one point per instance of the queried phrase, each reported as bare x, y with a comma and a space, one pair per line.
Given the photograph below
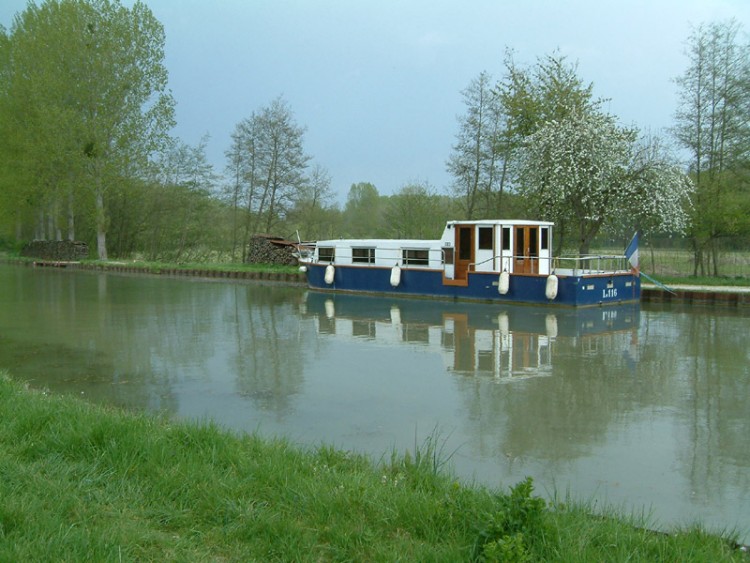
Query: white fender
550, 291
395, 276
303, 269
330, 271
503, 284
550, 323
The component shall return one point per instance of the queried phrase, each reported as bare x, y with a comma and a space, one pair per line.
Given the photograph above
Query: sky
378, 84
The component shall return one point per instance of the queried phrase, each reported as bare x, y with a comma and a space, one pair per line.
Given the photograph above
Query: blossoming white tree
585, 171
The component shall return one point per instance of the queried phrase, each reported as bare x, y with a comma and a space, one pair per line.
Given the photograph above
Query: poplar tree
86, 99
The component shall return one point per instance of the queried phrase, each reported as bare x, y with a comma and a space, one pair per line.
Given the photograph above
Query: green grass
702, 280
214, 267
679, 264
81, 482
159, 267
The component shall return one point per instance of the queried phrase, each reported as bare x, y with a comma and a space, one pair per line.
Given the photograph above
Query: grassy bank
161, 267
707, 281
669, 267
81, 482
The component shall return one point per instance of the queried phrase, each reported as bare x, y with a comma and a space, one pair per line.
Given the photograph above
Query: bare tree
268, 164
713, 124
476, 165
311, 212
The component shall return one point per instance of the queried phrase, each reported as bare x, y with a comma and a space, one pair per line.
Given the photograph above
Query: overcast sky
378, 84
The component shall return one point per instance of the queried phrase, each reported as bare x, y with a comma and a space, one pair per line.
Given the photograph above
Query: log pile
266, 249
57, 250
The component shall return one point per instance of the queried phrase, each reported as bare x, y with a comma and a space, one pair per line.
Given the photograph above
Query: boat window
520, 246
485, 238
326, 254
363, 255
545, 238
464, 243
533, 246
447, 255
413, 257
506, 238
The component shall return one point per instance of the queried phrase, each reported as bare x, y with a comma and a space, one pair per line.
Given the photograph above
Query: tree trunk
653, 260
71, 220
715, 257
698, 262
101, 226
51, 225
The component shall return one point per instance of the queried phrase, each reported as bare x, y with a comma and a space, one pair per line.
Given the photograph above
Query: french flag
631, 252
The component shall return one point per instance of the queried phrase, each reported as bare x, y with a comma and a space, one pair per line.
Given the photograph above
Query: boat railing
582, 264
573, 264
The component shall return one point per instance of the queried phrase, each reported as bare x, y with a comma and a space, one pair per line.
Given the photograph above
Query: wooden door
526, 255
464, 250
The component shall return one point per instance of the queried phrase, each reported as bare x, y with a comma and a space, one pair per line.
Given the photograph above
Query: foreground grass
80, 482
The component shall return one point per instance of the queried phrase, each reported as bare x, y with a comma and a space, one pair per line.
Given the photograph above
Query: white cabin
515, 246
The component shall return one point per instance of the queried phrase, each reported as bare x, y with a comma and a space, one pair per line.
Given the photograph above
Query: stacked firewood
57, 250
265, 249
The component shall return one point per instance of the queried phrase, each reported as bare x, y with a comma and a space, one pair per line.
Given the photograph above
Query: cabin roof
380, 243
425, 243
501, 222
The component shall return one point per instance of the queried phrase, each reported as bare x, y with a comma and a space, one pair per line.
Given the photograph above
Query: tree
87, 90
585, 171
267, 163
363, 211
415, 212
486, 157
284, 161
713, 124
234, 189
182, 186
311, 213
477, 164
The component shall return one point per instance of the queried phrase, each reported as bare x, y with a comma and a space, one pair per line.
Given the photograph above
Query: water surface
641, 407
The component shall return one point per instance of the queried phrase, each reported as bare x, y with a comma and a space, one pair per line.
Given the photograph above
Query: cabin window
412, 257
545, 238
447, 255
506, 238
326, 254
520, 244
363, 255
533, 244
464, 243
485, 238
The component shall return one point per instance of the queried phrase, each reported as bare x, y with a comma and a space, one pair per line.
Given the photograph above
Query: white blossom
588, 171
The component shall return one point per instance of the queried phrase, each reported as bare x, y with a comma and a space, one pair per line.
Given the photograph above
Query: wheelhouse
516, 247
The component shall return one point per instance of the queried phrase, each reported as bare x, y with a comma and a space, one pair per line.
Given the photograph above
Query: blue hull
573, 291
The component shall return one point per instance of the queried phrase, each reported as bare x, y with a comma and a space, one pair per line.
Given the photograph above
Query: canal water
643, 408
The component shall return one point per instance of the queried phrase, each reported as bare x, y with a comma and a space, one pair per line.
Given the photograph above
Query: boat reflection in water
504, 342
